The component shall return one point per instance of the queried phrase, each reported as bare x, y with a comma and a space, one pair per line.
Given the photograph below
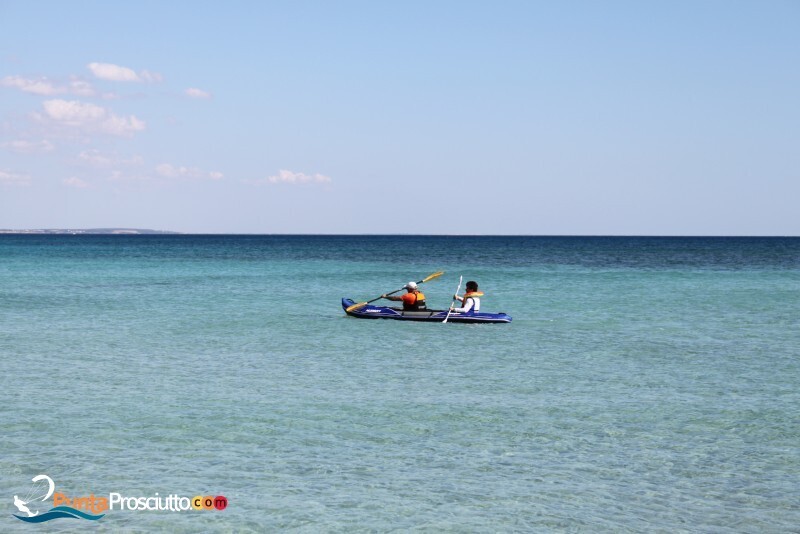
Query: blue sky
669, 118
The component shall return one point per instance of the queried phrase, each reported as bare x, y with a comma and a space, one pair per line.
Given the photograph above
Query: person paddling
471, 300
414, 299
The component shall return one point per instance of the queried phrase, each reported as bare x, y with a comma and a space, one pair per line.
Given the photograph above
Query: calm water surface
646, 384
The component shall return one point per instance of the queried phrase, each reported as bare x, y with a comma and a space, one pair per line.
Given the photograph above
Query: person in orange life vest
414, 299
471, 299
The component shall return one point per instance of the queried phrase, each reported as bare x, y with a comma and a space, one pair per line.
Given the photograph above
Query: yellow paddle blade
355, 306
434, 275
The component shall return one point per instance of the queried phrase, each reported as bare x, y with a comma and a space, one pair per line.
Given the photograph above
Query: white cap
411, 285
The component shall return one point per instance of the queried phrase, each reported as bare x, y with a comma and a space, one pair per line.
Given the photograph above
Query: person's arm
467, 306
391, 297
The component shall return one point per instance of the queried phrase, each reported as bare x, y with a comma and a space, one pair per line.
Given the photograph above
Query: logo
42, 488
93, 507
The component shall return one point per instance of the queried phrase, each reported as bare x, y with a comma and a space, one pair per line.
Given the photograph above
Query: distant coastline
145, 231
75, 231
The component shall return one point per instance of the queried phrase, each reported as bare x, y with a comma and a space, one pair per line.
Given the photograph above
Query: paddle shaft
362, 304
387, 294
460, 279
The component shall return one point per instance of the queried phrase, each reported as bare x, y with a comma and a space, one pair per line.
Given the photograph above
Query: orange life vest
415, 300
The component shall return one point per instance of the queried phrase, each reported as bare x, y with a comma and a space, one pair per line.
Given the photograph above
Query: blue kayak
436, 316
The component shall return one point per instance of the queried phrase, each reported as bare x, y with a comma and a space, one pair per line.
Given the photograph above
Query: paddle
362, 304
460, 279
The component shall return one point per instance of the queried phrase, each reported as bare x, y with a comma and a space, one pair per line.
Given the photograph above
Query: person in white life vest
471, 301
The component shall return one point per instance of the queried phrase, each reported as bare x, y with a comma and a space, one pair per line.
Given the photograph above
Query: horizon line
127, 231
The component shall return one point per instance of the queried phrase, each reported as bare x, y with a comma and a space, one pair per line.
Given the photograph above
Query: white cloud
95, 158
81, 87
41, 86
171, 171
108, 71
152, 77
116, 73
45, 87
91, 117
14, 178
75, 182
193, 92
289, 177
73, 112
28, 147
122, 126
120, 176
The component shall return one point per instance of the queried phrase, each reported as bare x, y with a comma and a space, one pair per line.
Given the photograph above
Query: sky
444, 117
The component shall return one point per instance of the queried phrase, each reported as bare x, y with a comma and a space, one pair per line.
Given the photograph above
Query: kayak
435, 316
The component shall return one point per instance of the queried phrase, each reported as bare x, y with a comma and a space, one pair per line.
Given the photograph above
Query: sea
646, 384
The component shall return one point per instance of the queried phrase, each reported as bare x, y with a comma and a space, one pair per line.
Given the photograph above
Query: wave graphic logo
59, 512
41, 490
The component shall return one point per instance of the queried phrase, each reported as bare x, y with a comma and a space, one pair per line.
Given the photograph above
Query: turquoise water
646, 384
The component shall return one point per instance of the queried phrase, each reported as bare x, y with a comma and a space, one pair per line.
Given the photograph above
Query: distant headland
84, 231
